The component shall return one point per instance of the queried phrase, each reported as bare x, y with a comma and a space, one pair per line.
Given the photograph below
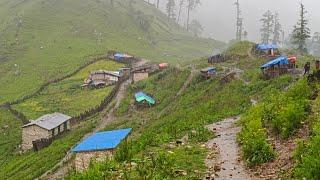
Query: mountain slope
45, 39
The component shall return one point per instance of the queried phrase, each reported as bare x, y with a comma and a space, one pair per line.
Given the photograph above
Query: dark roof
102, 140
112, 73
49, 121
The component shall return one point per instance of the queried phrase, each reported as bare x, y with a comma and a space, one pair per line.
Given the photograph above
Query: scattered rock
217, 168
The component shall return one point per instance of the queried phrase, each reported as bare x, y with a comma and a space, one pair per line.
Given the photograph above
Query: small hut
125, 72
144, 100
266, 50
46, 127
275, 67
98, 147
208, 72
142, 72
102, 78
217, 58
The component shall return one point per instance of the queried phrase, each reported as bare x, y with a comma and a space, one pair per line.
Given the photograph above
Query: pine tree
267, 26
192, 4
170, 9
196, 28
301, 33
277, 31
180, 8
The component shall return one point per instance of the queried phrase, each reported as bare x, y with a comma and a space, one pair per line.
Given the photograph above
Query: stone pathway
223, 160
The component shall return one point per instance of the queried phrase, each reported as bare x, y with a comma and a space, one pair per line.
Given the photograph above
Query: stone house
140, 73
45, 127
102, 77
98, 147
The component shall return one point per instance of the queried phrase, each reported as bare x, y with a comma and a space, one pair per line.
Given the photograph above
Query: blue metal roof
102, 140
267, 46
280, 60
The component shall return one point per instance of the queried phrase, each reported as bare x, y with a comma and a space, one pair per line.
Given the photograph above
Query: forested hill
45, 39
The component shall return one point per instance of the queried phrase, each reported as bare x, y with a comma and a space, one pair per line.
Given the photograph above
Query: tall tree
267, 26
301, 33
171, 9
192, 4
196, 28
180, 8
277, 31
239, 22
158, 1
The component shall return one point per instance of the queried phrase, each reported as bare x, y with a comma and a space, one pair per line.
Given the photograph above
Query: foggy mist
218, 16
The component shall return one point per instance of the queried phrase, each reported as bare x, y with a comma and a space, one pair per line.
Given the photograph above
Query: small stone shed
102, 78
45, 127
208, 72
142, 72
98, 147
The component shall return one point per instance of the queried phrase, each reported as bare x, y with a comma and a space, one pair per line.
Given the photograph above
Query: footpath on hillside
223, 161
64, 165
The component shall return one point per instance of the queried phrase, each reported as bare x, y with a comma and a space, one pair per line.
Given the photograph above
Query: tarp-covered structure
282, 60
103, 140
121, 56
142, 97
208, 72
266, 46
276, 67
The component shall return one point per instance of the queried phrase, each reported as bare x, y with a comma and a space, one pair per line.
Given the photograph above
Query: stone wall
32, 133
83, 159
139, 76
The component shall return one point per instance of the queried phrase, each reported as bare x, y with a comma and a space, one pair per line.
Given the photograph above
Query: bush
253, 137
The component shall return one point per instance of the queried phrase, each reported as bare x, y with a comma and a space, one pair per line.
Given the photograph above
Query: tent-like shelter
141, 98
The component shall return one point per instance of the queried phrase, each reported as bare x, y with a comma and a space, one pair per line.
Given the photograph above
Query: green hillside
152, 146
45, 39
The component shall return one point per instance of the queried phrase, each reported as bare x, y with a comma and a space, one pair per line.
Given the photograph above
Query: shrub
253, 137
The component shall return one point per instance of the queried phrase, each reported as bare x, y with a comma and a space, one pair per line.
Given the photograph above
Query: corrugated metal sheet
50, 121
102, 140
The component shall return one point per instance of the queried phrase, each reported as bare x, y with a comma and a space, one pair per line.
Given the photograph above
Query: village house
266, 50
46, 127
102, 78
208, 72
141, 73
275, 67
98, 147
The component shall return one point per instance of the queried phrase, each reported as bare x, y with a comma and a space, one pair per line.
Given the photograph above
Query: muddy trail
223, 160
60, 170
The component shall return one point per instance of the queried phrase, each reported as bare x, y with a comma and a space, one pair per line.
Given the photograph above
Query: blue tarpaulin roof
102, 140
267, 46
140, 96
119, 56
282, 60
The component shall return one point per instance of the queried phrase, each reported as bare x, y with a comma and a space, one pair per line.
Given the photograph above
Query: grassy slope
202, 103
48, 38
66, 96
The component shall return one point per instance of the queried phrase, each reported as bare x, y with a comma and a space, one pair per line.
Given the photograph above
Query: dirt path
64, 165
223, 161
181, 90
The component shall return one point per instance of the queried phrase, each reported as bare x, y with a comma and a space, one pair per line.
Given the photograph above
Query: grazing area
135, 89
67, 96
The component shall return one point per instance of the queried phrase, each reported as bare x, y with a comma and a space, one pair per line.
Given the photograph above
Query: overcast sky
218, 16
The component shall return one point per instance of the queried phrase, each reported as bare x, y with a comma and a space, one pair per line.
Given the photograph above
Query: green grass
67, 96
56, 37
10, 136
33, 164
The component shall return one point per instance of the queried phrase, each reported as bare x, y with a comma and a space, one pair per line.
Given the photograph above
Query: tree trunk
188, 18
178, 19
158, 3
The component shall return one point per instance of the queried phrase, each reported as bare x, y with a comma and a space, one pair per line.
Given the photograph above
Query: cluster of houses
41, 132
